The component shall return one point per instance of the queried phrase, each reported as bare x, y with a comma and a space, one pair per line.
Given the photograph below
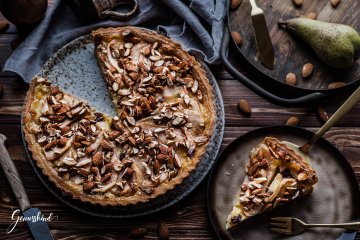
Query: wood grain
290, 52
186, 220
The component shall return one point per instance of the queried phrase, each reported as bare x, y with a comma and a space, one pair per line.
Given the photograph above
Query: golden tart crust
128, 158
275, 175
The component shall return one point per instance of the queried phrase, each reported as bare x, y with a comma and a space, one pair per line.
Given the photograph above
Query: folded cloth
196, 24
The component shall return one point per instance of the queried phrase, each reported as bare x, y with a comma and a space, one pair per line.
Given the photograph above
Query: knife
262, 37
39, 229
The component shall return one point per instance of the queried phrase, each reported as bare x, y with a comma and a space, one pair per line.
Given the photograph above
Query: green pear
337, 45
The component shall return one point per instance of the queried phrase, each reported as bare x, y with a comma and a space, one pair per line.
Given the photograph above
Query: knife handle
13, 176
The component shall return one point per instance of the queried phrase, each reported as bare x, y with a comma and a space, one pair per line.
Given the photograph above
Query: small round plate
75, 69
335, 198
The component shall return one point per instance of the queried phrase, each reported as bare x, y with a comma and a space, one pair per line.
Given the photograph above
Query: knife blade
39, 229
262, 37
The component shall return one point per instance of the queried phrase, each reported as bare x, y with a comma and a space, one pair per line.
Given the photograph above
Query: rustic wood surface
291, 53
188, 219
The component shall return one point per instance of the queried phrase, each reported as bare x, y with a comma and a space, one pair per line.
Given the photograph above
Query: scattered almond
307, 70
335, 3
62, 142
50, 145
336, 85
88, 186
322, 114
292, 121
234, 4
244, 107
97, 159
106, 145
163, 231
298, 3
312, 15
89, 150
291, 79
4, 25
138, 232
106, 177
237, 37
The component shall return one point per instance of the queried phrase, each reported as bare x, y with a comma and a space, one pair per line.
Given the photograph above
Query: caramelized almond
97, 159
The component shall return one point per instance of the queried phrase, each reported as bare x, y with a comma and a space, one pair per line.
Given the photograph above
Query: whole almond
291, 79
307, 70
237, 37
335, 3
311, 15
97, 159
234, 4
62, 142
164, 233
244, 107
88, 186
138, 232
298, 3
322, 114
292, 121
336, 85
4, 25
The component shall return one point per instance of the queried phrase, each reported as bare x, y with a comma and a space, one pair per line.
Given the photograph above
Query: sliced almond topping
69, 161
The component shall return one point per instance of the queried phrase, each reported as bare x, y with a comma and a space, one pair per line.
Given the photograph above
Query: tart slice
275, 175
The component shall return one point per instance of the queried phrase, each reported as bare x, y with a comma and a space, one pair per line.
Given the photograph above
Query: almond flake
128, 45
42, 139
127, 103
69, 161
154, 58
195, 86
159, 63
115, 86
124, 92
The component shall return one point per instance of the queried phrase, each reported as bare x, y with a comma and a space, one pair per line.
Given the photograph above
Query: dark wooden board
290, 52
186, 220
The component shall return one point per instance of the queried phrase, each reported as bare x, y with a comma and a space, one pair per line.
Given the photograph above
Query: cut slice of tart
275, 175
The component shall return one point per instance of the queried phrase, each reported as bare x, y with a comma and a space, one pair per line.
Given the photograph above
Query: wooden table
187, 219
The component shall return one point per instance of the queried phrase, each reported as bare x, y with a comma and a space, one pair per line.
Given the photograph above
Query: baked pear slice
275, 175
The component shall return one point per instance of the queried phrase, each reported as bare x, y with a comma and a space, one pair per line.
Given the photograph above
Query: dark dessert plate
334, 199
291, 53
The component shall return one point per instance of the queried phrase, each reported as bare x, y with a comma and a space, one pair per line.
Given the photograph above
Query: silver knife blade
39, 229
262, 37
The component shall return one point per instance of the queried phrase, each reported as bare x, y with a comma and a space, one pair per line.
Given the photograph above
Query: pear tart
161, 132
275, 175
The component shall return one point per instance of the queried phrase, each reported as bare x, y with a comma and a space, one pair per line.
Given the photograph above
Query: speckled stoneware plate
335, 198
75, 69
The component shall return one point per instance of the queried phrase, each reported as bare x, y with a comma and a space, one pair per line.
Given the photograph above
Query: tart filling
164, 123
275, 175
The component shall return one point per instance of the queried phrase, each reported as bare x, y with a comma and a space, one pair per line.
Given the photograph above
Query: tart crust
77, 191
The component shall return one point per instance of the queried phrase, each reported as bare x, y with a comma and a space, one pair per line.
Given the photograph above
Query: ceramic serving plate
74, 69
335, 198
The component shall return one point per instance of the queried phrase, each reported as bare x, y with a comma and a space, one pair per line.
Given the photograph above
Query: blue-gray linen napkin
196, 24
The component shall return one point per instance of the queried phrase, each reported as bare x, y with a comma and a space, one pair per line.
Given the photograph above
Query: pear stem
283, 23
